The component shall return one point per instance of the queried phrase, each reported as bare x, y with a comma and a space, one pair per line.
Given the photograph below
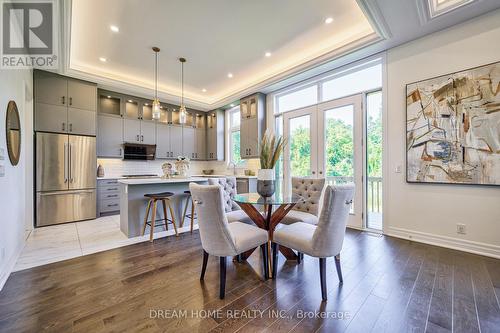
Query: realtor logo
28, 35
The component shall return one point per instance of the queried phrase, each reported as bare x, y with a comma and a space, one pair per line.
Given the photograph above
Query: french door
325, 140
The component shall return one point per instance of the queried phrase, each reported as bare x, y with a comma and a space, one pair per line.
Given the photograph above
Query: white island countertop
143, 181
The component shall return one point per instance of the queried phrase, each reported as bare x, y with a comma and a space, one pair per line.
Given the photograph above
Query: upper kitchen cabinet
252, 126
109, 104
64, 105
215, 135
109, 136
147, 111
131, 108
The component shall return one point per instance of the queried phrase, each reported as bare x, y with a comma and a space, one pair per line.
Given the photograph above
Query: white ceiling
222, 36
217, 37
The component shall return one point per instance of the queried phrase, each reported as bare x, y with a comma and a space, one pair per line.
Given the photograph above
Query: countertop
142, 181
221, 176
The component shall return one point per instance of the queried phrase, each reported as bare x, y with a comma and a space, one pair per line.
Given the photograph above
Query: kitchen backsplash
115, 167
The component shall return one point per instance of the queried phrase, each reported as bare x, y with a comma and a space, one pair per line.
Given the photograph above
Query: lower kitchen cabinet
108, 197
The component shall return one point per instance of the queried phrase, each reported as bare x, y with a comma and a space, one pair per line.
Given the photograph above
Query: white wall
16, 206
425, 212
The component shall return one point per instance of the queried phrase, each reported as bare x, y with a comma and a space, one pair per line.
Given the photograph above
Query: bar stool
153, 199
191, 216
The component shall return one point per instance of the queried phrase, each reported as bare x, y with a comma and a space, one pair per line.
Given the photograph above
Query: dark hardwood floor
390, 285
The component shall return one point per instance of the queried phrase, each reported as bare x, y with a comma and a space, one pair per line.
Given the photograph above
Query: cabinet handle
71, 101
112, 189
71, 126
142, 138
113, 205
112, 196
137, 139
63, 99
120, 152
64, 127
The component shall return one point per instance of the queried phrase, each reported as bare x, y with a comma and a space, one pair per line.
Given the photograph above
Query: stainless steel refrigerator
65, 178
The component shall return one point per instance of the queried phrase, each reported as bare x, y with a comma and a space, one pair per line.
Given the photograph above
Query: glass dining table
274, 209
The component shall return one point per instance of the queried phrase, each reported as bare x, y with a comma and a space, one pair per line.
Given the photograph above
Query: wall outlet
398, 169
461, 229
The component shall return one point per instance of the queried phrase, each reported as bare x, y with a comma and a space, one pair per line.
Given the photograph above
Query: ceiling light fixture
231, 105
230, 75
156, 101
182, 108
268, 54
328, 20
114, 28
109, 96
102, 59
204, 90
130, 101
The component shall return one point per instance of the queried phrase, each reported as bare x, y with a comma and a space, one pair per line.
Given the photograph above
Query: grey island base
133, 203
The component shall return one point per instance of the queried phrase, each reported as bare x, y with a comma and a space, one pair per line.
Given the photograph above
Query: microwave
135, 151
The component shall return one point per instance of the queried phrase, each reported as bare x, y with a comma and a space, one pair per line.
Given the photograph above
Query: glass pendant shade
182, 114
156, 109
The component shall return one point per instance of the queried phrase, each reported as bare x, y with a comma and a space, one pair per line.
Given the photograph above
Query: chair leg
192, 215
222, 287
165, 214
204, 267
173, 218
339, 270
299, 258
275, 250
146, 218
322, 276
265, 260
153, 221
185, 211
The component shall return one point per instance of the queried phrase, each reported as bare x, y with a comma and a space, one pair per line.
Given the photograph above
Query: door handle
313, 172
321, 172
71, 101
65, 162
63, 99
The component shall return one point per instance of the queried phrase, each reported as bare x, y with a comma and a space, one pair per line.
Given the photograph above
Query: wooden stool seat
153, 199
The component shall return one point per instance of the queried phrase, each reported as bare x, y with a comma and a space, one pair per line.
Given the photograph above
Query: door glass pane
279, 166
235, 147
298, 99
300, 146
374, 160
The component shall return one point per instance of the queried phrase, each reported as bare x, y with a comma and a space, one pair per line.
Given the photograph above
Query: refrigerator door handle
71, 179
65, 162
46, 194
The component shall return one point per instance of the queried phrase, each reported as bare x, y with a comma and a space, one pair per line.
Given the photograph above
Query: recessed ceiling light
268, 54
231, 105
114, 28
130, 101
109, 96
204, 90
229, 75
102, 59
146, 104
329, 20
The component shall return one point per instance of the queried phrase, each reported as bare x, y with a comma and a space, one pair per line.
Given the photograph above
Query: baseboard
9, 267
484, 249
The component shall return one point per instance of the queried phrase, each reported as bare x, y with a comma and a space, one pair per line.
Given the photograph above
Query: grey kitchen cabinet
201, 144
148, 132
163, 141
215, 136
132, 130
64, 105
109, 136
189, 142
109, 103
176, 140
252, 124
108, 197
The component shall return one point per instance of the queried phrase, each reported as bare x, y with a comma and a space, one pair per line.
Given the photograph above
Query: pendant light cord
156, 75
182, 80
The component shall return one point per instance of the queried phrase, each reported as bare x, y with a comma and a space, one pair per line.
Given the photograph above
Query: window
349, 84
234, 136
298, 98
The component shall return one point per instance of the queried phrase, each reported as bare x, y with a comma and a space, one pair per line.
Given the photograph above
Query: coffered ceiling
261, 44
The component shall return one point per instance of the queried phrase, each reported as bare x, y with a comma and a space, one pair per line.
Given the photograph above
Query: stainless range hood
136, 151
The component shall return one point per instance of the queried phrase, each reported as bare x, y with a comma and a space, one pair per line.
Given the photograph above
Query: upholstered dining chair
220, 238
310, 190
233, 211
322, 240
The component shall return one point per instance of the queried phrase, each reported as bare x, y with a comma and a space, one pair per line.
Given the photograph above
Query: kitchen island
133, 203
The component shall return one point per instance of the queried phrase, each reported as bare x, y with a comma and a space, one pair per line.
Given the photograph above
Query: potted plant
271, 148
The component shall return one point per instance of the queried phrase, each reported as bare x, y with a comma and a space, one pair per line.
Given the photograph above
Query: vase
266, 182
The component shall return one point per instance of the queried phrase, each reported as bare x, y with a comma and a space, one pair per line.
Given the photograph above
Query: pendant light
156, 101
182, 108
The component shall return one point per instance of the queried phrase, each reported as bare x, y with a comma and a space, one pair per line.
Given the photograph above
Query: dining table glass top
276, 199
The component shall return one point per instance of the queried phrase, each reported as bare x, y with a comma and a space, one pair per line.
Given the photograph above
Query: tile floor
60, 242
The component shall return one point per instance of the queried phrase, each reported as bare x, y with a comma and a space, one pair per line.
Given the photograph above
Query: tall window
234, 136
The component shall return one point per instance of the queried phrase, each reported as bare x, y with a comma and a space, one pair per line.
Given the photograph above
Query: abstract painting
453, 128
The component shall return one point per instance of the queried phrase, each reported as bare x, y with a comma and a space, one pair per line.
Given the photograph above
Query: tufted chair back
216, 238
228, 186
310, 189
329, 234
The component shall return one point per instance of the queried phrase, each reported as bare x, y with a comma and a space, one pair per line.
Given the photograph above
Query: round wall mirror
13, 133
